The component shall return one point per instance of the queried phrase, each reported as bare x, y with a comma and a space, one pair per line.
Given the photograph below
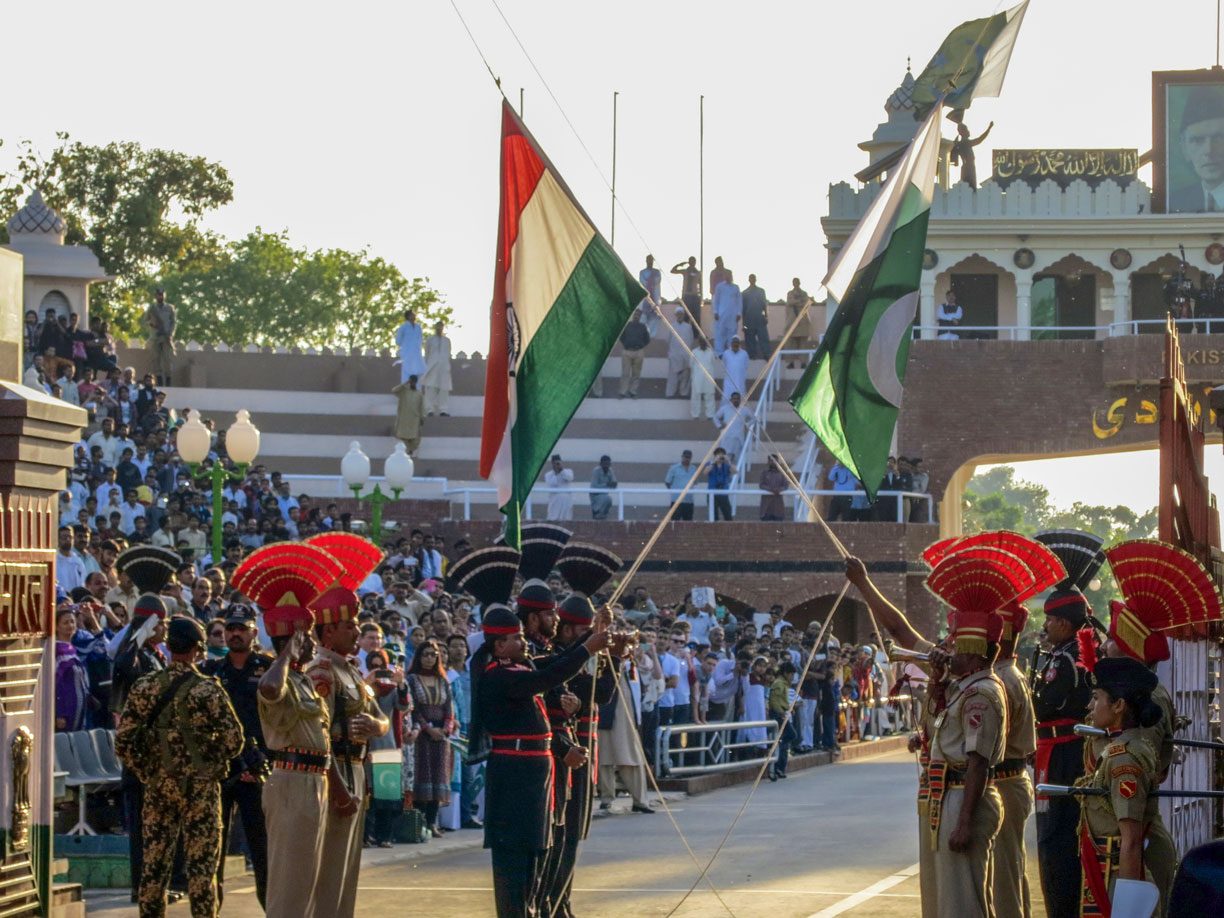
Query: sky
375, 125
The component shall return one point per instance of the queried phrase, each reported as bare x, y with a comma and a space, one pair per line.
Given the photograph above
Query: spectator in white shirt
105, 438
69, 571
671, 675
700, 621
193, 535
949, 318
103, 492
130, 510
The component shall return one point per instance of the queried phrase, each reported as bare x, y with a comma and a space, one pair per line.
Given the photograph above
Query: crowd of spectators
903, 474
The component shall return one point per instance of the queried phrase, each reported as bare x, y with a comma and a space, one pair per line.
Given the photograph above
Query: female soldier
1113, 824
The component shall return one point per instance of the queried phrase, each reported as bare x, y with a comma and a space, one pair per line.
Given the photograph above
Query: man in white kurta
437, 379
679, 343
733, 418
560, 504
728, 308
701, 371
735, 370
408, 340
651, 278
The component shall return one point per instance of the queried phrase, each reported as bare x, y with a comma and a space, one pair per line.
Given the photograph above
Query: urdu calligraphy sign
1064, 166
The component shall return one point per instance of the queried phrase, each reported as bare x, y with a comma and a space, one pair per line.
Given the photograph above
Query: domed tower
57, 276
891, 135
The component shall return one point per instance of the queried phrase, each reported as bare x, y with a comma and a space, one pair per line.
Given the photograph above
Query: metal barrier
1196, 325
716, 750
618, 495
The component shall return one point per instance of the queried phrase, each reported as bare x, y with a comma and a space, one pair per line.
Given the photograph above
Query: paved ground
838, 840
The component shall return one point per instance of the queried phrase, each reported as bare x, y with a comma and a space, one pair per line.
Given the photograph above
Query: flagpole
613, 239
520, 102
701, 188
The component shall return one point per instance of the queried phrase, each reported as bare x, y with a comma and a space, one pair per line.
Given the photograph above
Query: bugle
902, 655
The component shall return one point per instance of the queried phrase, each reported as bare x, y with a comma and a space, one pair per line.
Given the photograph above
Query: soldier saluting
283, 579
178, 733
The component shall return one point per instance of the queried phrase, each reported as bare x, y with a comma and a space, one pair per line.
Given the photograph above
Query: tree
138, 210
997, 500
263, 290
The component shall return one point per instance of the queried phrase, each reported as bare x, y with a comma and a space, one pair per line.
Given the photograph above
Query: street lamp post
242, 446
355, 470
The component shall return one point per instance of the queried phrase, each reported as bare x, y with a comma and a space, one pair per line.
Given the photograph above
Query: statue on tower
962, 148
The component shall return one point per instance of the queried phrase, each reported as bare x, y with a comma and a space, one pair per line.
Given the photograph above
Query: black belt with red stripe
1056, 729
1008, 768
588, 726
307, 760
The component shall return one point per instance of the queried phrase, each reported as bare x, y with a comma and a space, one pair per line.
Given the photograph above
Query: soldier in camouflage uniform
178, 734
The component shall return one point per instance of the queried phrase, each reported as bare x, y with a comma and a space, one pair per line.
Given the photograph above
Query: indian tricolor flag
560, 300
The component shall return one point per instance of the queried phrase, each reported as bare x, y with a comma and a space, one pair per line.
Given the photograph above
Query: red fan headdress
1162, 587
975, 582
358, 557
1046, 567
283, 579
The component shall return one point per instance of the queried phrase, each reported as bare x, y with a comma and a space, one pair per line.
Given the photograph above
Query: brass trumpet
902, 655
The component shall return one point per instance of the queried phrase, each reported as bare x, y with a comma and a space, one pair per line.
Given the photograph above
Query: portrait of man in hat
1196, 148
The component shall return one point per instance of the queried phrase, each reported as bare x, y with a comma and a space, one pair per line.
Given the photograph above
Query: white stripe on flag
552, 236
998, 56
873, 232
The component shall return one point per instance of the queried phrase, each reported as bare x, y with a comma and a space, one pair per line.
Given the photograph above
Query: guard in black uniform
536, 605
508, 715
586, 568
1062, 688
239, 673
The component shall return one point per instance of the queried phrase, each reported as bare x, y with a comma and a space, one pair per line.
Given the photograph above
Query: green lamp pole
355, 471
242, 446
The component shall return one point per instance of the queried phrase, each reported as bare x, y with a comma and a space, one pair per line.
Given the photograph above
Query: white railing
465, 494
1200, 325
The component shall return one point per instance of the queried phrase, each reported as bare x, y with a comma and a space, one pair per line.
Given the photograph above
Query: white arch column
926, 301
1024, 304
1121, 297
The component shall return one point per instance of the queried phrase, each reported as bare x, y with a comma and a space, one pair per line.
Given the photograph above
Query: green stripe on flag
837, 396
562, 360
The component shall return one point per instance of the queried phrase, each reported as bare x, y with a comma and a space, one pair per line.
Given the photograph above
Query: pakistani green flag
971, 62
850, 393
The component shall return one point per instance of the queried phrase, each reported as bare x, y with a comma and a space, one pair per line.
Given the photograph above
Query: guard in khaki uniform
283, 579
355, 719
920, 742
1189, 595
966, 811
1113, 826
963, 810
1011, 777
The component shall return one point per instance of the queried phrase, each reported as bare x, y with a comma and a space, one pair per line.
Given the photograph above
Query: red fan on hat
284, 579
358, 557
979, 579
1047, 569
1162, 588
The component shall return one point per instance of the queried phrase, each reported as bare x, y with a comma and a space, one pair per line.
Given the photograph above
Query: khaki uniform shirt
1021, 739
336, 679
1127, 770
298, 719
975, 720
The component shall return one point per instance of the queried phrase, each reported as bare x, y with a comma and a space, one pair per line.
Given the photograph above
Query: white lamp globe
194, 440
242, 439
355, 467
399, 468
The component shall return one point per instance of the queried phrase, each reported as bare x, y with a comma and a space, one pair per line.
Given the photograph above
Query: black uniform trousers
248, 797
577, 824
1057, 835
515, 880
